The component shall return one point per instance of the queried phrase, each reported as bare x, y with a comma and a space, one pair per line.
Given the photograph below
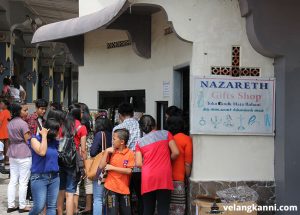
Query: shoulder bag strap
103, 138
77, 129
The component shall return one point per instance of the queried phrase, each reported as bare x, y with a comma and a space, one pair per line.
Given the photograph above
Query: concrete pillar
31, 73
51, 83
6, 55
47, 76
61, 87
58, 79
273, 30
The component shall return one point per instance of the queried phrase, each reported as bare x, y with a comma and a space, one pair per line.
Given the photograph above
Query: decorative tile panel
235, 70
29, 52
5, 36
117, 44
235, 56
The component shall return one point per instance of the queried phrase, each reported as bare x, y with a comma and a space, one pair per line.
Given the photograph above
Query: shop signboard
233, 106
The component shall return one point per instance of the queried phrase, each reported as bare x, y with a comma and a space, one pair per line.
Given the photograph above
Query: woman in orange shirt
181, 167
4, 118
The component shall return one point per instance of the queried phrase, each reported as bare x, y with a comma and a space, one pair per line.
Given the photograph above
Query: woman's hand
44, 132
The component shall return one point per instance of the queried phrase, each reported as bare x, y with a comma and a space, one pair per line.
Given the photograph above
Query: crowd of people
139, 162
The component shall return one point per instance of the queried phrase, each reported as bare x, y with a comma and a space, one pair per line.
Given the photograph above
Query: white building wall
121, 69
213, 26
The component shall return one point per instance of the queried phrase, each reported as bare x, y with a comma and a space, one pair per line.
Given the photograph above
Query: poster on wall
233, 106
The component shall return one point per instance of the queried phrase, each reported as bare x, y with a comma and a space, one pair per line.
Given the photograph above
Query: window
112, 99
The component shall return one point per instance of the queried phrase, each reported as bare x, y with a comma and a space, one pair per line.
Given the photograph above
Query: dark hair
53, 126
56, 106
126, 109
86, 117
173, 111
69, 122
123, 134
6, 81
147, 123
58, 115
6, 102
175, 124
15, 110
75, 111
87, 121
15, 82
103, 124
41, 103
84, 108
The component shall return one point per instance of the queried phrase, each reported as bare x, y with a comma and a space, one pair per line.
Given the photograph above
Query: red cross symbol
235, 70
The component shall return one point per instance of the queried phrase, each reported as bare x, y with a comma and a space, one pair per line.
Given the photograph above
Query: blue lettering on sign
267, 120
233, 85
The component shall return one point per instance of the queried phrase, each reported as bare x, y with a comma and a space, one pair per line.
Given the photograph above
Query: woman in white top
17, 92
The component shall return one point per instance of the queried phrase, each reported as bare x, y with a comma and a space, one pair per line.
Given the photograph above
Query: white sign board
233, 106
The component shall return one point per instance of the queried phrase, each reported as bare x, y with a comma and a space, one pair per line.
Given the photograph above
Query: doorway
161, 107
182, 93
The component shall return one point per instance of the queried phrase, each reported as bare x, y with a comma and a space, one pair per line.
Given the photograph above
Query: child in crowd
4, 119
2, 167
119, 168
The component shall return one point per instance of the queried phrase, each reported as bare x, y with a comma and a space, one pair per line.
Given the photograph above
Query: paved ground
4, 180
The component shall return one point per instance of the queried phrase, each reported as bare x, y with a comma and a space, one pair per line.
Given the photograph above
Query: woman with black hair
44, 171
181, 166
19, 157
68, 175
86, 120
59, 115
154, 152
103, 129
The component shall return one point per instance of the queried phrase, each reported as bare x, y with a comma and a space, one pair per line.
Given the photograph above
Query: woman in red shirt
181, 166
154, 152
68, 175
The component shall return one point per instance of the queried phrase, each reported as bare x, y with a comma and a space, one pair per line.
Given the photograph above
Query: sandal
26, 209
9, 210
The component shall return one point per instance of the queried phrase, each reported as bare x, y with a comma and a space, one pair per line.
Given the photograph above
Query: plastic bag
238, 194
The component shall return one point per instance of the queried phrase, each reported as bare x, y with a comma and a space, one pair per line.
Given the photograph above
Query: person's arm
82, 133
1, 118
121, 170
40, 147
188, 169
83, 147
103, 162
188, 157
174, 149
22, 93
27, 136
138, 159
25, 131
96, 147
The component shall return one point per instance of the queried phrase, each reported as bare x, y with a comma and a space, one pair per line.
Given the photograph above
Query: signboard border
192, 99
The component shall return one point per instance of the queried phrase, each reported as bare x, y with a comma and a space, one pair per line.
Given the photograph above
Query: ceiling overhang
134, 19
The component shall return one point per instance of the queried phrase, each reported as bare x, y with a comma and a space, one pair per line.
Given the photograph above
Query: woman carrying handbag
102, 140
